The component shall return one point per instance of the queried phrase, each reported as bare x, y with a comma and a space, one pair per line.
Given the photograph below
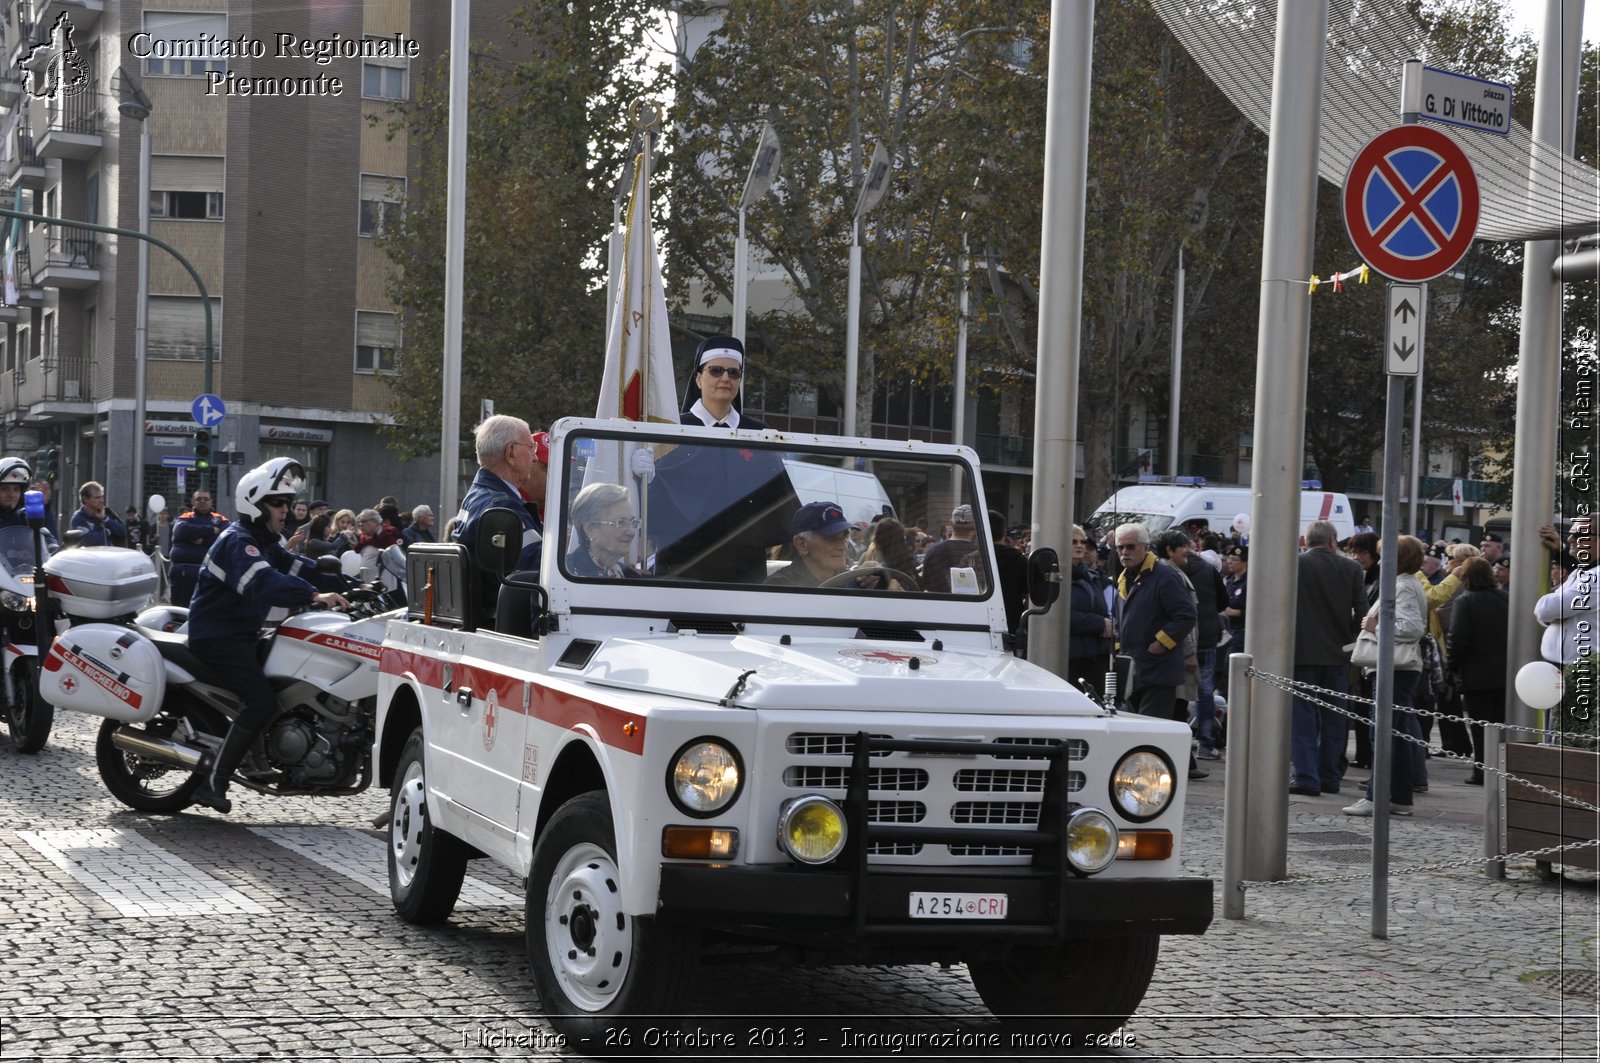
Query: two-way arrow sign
1402, 346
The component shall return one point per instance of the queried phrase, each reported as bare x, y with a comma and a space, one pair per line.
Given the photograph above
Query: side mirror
393, 560
498, 542
1044, 577
328, 565
74, 537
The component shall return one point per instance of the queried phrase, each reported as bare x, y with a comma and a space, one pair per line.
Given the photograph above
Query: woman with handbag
1410, 624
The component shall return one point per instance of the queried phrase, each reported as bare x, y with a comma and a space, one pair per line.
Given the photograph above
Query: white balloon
157, 504
1241, 523
1539, 684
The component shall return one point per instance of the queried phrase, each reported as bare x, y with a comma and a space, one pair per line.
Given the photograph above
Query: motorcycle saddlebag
104, 670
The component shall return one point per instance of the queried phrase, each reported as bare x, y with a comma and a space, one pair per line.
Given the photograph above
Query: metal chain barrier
1304, 692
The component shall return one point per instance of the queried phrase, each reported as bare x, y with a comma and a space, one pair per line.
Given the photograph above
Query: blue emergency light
33, 505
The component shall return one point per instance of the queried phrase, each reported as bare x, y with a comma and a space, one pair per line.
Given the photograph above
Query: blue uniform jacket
247, 573
192, 535
1156, 605
100, 531
18, 518
488, 492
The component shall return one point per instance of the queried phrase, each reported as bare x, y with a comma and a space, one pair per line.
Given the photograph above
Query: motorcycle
28, 716
166, 714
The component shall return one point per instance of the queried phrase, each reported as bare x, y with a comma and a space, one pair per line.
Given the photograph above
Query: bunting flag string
1360, 274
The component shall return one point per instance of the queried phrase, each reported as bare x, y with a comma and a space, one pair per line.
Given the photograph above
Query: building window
186, 43
377, 341
5, 356
186, 206
186, 187
47, 340
384, 79
177, 327
381, 201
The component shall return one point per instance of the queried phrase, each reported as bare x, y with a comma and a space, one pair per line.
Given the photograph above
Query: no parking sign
1411, 203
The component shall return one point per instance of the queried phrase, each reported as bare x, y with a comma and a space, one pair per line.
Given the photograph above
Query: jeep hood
833, 673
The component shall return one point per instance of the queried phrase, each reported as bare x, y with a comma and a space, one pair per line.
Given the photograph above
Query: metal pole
1066, 179
852, 331
741, 265
958, 389
1282, 355
455, 229
613, 261
141, 325
1236, 792
1383, 694
1539, 351
1415, 485
1177, 369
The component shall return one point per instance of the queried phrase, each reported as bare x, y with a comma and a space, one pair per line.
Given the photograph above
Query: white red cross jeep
676, 750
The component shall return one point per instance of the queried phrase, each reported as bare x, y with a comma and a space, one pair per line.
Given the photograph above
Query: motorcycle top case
104, 670
101, 582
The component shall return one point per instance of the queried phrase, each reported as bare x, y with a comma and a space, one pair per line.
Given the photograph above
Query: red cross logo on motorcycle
69, 684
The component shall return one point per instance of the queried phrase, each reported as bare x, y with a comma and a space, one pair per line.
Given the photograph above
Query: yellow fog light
1091, 840
811, 829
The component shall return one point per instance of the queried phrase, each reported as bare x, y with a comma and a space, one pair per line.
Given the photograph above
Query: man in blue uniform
14, 477
192, 535
247, 573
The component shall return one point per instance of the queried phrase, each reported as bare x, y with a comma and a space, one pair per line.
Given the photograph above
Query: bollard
1236, 786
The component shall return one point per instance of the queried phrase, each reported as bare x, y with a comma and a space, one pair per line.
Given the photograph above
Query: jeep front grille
991, 787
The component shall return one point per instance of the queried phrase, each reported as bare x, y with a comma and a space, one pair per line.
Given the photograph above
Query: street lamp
875, 184
134, 104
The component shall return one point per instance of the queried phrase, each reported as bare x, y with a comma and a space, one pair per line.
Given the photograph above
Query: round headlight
1143, 784
15, 602
811, 829
1091, 840
705, 777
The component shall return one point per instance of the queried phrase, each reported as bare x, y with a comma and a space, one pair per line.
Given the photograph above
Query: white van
860, 494
1161, 506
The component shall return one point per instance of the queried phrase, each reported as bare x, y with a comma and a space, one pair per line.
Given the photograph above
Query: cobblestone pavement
269, 935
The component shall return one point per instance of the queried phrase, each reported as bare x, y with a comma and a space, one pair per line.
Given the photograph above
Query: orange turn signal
699, 843
1144, 845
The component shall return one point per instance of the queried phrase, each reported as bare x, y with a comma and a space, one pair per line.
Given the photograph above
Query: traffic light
47, 463
202, 448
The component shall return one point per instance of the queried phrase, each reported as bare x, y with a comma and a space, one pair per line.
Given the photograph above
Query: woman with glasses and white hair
602, 518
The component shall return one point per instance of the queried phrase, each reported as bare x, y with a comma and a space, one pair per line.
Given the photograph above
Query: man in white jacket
1571, 612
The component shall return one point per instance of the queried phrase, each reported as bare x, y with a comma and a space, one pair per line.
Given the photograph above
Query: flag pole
646, 127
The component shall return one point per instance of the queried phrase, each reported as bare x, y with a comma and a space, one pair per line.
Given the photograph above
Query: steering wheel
884, 572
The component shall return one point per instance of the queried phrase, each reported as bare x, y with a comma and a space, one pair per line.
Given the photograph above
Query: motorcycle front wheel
29, 715
142, 783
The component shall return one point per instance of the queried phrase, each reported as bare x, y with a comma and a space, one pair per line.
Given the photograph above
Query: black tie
720, 424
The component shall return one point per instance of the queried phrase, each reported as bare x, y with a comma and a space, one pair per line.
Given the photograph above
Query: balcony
63, 259
10, 86
18, 47
84, 14
29, 294
23, 166
1016, 451
72, 126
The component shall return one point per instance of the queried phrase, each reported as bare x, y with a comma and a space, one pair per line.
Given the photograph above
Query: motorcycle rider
14, 480
192, 535
247, 572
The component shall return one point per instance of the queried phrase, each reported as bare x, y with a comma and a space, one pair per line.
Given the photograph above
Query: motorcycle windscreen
104, 670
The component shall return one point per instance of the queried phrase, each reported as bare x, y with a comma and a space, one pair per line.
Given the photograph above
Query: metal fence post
1236, 786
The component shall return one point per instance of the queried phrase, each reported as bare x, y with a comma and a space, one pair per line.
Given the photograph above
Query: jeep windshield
725, 510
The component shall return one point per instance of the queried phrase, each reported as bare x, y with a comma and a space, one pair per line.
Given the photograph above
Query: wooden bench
1536, 820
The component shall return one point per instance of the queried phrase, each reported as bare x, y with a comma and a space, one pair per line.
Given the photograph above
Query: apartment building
271, 171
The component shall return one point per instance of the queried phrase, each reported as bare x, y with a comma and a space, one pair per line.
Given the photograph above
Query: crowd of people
1164, 605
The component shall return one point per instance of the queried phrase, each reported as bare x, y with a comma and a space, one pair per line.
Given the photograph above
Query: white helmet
278, 477
15, 471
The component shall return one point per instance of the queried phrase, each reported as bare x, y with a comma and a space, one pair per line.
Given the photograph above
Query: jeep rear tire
1082, 987
426, 865
594, 964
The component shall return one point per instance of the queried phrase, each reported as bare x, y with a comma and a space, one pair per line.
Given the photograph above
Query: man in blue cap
821, 537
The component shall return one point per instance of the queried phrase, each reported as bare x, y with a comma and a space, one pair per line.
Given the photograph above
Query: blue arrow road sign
208, 410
